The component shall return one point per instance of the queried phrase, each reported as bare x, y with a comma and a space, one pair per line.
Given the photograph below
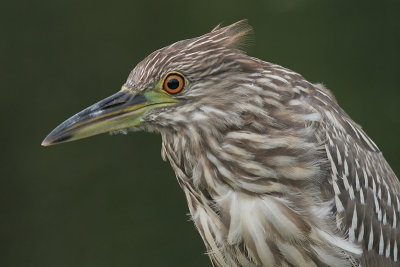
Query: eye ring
173, 83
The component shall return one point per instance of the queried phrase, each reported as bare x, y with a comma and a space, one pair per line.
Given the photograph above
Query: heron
274, 172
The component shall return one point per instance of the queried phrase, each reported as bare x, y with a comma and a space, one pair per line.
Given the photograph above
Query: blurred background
112, 201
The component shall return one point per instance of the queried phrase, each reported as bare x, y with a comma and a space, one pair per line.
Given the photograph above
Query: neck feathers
242, 186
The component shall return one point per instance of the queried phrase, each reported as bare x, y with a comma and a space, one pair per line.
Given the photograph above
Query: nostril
113, 104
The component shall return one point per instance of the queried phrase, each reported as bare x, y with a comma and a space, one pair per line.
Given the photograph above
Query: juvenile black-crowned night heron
275, 173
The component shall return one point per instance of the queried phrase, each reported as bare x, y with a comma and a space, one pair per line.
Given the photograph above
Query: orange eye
174, 83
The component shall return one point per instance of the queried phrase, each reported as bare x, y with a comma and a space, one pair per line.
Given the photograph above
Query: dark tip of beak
48, 142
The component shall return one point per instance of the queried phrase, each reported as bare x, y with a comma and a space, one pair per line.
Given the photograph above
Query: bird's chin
121, 131
138, 128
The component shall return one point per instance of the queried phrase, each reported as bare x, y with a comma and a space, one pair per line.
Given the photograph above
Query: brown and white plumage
275, 173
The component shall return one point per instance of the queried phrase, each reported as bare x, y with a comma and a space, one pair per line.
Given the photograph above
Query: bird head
190, 80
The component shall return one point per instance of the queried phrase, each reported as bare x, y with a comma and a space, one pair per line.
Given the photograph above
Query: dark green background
112, 201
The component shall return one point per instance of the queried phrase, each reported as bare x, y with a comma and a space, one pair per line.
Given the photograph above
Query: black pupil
173, 84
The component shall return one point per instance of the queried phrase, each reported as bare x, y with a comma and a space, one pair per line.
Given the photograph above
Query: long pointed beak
119, 111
